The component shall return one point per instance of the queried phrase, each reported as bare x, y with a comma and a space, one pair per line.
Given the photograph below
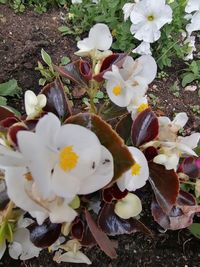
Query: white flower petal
127, 9
15, 250
30, 101
77, 257
9, 157
101, 36
2, 249
149, 68
102, 176
133, 182
85, 144
143, 49
128, 207
180, 120
192, 5
191, 141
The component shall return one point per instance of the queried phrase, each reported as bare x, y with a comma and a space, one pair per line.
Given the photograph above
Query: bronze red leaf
190, 167
114, 59
57, 101
113, 225
44, 235
12, 132
144, 128
123, 127
109, 138
113, 193
101, 238
165, 185
5, 113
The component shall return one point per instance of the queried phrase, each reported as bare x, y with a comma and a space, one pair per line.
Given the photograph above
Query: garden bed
22, 37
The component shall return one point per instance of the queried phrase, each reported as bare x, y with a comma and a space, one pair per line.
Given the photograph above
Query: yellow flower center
117, 90
142, 107
68, 158
135, 169
150, 18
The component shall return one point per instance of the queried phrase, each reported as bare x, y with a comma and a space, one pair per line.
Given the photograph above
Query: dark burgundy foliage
190, 167
114, 59
109, 138
4, 199
44, 235
12, 132
123, 127
78, 71
113, 225
150, 153
5, 113
101, 238
57, 101
81, 231
6, 123
111, 111
113, 193
144, 128
165, 185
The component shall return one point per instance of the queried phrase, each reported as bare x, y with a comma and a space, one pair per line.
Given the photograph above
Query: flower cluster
70, 179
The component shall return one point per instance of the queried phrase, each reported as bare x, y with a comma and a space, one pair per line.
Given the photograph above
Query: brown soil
21, 39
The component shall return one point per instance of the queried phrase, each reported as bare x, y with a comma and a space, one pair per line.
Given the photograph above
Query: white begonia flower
143, 49
128, 207
137, 105
138, 174
59, 163
193, 6
131, 80
34, 104
21, 247
99, 38
148, 17
73, 254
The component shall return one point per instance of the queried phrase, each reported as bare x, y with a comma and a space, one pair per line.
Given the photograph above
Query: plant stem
167, 51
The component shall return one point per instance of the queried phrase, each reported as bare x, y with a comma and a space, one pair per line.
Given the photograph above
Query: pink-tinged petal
102, 176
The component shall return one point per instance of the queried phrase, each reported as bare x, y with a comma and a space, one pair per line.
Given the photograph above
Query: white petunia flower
99, 38
34, 104
128, 207
148, 17
131, 80
193, 6
143, 49
57, 163
190, 41
127, 9
138, 174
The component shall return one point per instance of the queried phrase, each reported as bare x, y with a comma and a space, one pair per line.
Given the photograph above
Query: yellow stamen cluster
135, 169
117, 90
68, 158
142, 107
150, 18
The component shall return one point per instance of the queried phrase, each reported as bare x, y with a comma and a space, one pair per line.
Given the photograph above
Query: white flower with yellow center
148, 17
128, 207
131, 80
34, 104
138, 174
57, 163
137, 105
99, 39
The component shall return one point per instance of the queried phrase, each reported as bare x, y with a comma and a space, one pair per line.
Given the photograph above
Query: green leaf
188, 78
9, 88
75, 203
99, 95
195, 229
46, 57
3, 101
42, 81
65, 60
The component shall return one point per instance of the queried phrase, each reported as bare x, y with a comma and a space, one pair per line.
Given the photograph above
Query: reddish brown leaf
123, 127
12, 132
6, 123
150, 153
101, 238
185, 199
144, 128
44, 235
165, 185
57, 101
112, 111
114, 59
113, 225
113, 193
78, 72
81, 231
5, 113
190, 167
4, 199
109, 138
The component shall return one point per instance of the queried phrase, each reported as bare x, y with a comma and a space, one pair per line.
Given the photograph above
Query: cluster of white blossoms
147, 17
80, 1
172, 147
